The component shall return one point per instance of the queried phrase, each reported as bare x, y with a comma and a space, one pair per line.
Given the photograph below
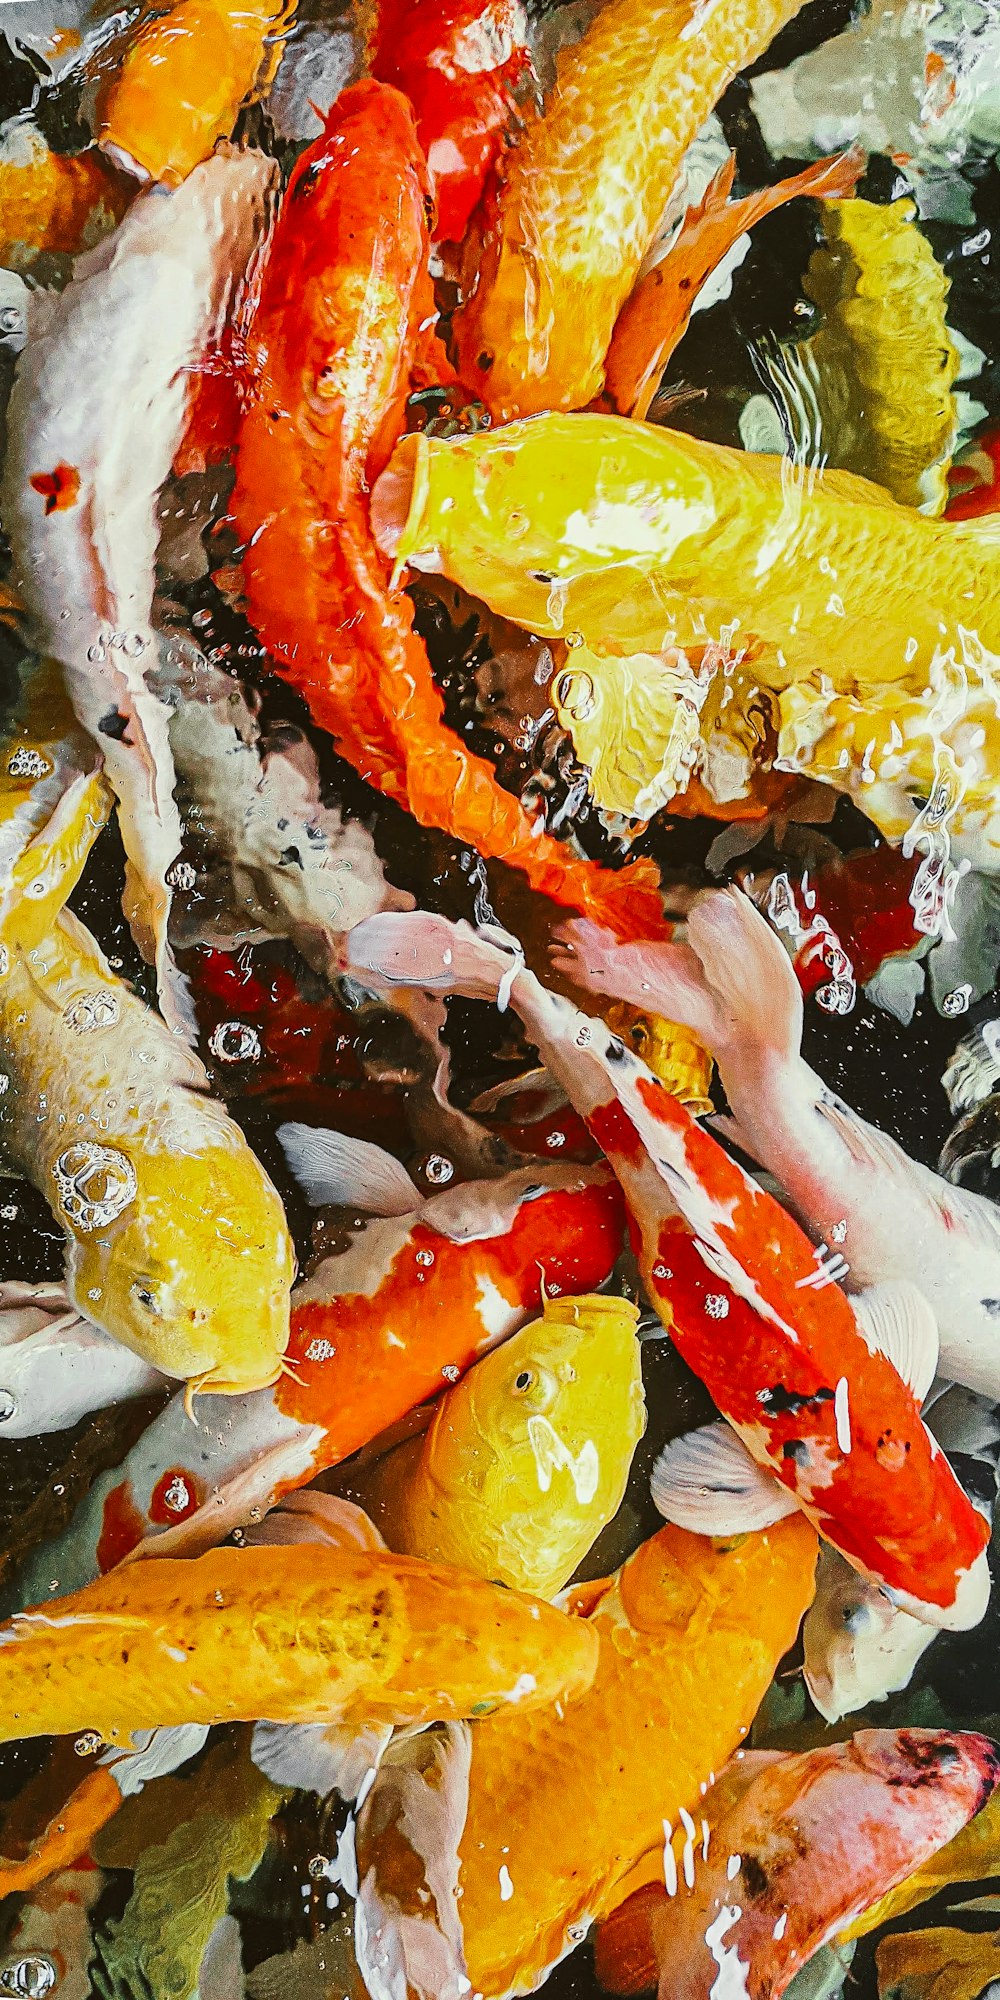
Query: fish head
560, 1401
859, 1647
195, 1272
961, 1764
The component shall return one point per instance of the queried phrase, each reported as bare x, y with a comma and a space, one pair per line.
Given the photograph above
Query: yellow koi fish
945, 1964
183, 78
526, 1458
584, 191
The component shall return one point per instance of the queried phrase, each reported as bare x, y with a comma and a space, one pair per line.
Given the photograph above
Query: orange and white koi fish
887, 1218
300, 1634
583, 191
84, 463
793, 1847
690, 1633
417, 1297
459, 63
344, 304
655, 318
806, 1379
182, 80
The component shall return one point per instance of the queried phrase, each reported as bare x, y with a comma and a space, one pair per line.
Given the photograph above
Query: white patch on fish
552, 1454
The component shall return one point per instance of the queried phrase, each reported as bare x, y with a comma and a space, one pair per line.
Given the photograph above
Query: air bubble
182, 875
27, 763
956, 1002
95, 1184
33, 1976
177, 1496
425, 1257
89, 1743
99, 1009
235, 1041
438, 1170
318, 1866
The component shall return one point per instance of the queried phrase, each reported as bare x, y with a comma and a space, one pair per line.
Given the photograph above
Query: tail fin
46, 871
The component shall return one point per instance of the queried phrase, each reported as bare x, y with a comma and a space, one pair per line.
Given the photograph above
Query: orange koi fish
655, 318
690, 1633
297, 1634
793, 1847
182, 80
584, 190
807, 1380
458, 62
343, 296
54, 201
417, 1297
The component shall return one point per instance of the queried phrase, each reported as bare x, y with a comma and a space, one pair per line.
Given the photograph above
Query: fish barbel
689, 1632
301, 1634
526, 1458
891, 1218
582, 193
823, 1393
640, 539
815, 1837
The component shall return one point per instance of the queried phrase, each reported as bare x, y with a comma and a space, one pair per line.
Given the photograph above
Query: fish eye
857, 1617
145, 1297
523, 1381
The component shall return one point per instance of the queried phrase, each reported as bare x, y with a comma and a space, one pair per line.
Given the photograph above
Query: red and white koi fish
824, 1394
421, 1292
884, 1217
795, 1847
84, 464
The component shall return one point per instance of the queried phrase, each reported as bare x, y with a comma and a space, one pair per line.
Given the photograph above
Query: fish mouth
398, 505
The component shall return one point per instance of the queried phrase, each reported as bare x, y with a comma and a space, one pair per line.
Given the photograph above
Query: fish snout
931, 1757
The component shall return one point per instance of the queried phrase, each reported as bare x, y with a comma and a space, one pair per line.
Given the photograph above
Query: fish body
297, 1634
809, 1389
969, 1857
181, 81
795, 1844
53, 202
83, 467
527, 1457
583, 191
891, 1219
941, 1964
689, 1635
640, 539
376, 1331
459, 62
334, 337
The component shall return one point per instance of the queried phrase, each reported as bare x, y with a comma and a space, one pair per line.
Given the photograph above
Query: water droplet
8, 1406
132, 644
97, 652
177, 1496
182, 875
450, 1372
438, 1170
94, 1183
87, 1744
27, 763
235, 1041
318, 1866
425, 1257
99, 1009
33, 1976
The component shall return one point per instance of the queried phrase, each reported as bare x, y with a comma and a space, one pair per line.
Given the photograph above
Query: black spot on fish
542, 575
484, 360
796, 1448
289, 858
929, 1757
114, 724
991, 1306
784, 1402
754, 1876
615, 1050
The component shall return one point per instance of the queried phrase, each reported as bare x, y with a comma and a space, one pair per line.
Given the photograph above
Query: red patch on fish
59, 488
122, 1528
616, 1135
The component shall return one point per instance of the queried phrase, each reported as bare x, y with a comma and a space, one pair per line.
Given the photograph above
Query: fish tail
624, 1952
50, 865
754, 994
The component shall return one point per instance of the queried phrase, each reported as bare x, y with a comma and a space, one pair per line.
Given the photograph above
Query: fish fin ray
898, 1321
708, 1483
756, 996
317, 1756
331, 1168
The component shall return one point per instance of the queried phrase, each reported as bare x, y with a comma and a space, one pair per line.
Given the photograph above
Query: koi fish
641, 539
182, 79
414, 1300
139, 310
342, 298
948, 1963
298, 1634
53, 202
858, 1646
975, 479
888, 1218
459, 62
527, 1458
176, 1242
584, 189
689, 1635
970, 1857
810, 1385
792, 1845
655, 318
55, 1367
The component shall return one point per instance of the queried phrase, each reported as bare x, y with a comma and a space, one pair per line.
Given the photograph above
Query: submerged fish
295, 1634
943, 1964
887, 1218
182, 80
970, 1857
53, 203
55, 1367
402, 1312
641, 538
824, 1417
791, 1846
527, 1458
85, 459
584, 189
689, 1633
858, 1646
176, 1242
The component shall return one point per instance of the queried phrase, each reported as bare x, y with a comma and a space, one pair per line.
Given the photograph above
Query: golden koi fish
183, 78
